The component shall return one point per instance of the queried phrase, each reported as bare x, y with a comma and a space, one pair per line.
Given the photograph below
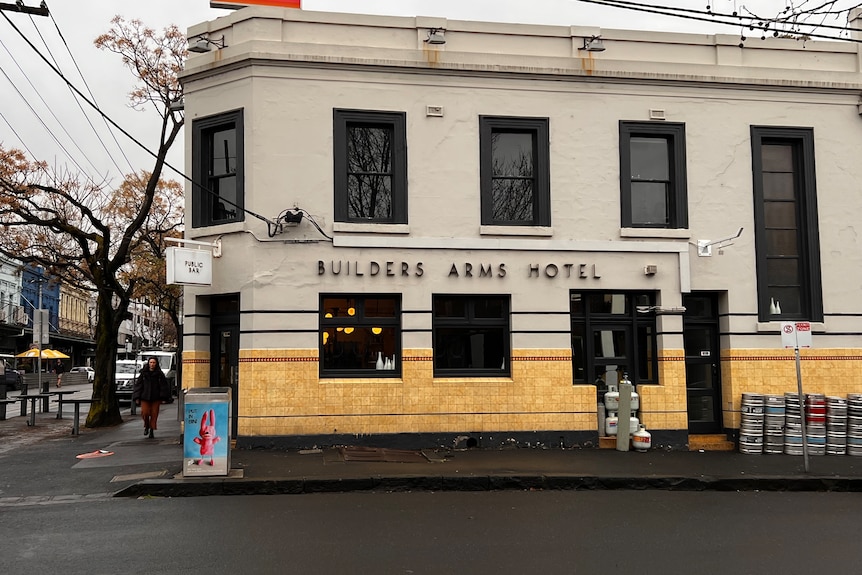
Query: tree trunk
105, 410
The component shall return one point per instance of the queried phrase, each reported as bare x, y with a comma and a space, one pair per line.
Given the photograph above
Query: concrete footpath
40, 464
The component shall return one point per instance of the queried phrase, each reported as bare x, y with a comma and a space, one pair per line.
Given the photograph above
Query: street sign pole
796, 335
801, 408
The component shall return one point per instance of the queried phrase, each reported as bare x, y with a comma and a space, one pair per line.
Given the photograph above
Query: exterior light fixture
436, 36
204, 44
594, 44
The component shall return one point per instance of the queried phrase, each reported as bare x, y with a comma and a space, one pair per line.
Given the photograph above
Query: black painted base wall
661, 439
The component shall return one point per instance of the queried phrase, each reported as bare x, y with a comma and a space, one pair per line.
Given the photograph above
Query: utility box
206, 436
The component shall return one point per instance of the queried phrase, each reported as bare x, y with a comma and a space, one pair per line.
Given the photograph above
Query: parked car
126, 373
91, 373
11, 378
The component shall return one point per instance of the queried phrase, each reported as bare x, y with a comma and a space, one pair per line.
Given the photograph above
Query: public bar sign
242, 3
796, 334
189, 267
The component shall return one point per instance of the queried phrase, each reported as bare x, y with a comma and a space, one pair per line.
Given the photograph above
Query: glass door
702, 364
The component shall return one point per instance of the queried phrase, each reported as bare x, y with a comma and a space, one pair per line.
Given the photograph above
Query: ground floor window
360, 335
613, 333
471, 335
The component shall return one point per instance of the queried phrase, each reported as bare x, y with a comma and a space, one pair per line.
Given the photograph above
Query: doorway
224, 351
702, 363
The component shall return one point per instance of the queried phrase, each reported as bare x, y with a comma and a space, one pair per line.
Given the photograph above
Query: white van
124, 379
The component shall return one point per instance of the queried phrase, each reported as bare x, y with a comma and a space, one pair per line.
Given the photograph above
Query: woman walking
150, 392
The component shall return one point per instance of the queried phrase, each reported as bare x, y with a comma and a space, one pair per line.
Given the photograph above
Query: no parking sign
795, 335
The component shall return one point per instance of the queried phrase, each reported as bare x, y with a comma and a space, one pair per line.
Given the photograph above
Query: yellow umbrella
46, 354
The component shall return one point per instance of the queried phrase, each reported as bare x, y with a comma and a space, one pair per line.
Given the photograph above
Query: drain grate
139, 476
380, 454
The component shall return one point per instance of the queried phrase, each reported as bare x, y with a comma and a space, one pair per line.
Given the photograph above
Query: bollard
624, 425
24, 388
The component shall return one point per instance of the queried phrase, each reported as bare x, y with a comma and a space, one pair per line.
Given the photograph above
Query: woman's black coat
151, 386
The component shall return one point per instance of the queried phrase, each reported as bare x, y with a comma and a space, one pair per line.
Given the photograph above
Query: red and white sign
796, 334
242, 3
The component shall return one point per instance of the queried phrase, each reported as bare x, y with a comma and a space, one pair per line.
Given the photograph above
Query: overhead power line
19, 7
126, 133
776, 27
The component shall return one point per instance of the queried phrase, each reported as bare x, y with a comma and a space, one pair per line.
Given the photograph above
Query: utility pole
42, 10
40, 314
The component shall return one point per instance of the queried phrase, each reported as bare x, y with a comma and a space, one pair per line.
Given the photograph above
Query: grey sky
80, 21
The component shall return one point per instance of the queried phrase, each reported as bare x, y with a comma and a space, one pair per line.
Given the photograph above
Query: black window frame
204, 194
397, 123
360, 320
638, 316
539, 128
471, 321
674, 134
801, 140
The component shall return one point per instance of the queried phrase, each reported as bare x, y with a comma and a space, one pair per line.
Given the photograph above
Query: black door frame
710, 358
224, 320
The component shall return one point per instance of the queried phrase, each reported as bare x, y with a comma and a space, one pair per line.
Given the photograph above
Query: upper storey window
370, 167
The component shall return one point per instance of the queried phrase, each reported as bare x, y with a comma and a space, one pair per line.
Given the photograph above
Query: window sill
470, 380
775, 326
360, 380
214, 229
543, 231
675, 234
371, 228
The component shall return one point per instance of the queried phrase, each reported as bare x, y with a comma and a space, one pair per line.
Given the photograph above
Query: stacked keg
815, 423
773, 424
792, 424
836, 426
854, 424
751, 425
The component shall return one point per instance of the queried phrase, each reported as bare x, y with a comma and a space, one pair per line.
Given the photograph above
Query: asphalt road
631, 532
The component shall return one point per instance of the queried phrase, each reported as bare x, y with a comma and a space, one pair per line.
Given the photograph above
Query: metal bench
61, 401
3, 403
77, 403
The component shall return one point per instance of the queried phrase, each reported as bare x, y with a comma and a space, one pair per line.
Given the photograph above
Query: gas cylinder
641, 439
634, 423
612, 398
611, 424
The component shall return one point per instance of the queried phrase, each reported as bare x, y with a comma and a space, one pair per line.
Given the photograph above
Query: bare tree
87, 233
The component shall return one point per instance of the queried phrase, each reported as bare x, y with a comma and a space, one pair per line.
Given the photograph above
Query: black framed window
515, 171
218, 156
785, 218
471, 335
370, 166
613, 332
653, 175
360, 335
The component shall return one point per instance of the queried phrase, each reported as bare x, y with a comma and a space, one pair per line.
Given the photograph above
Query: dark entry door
702, 363
224, 351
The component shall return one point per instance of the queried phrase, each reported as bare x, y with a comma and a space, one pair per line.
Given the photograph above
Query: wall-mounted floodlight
704, 247
594, 44
436, 36
204, 44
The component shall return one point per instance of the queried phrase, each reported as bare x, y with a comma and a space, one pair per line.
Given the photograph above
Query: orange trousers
150, 413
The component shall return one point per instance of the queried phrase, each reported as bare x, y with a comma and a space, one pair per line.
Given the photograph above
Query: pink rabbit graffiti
208, 438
